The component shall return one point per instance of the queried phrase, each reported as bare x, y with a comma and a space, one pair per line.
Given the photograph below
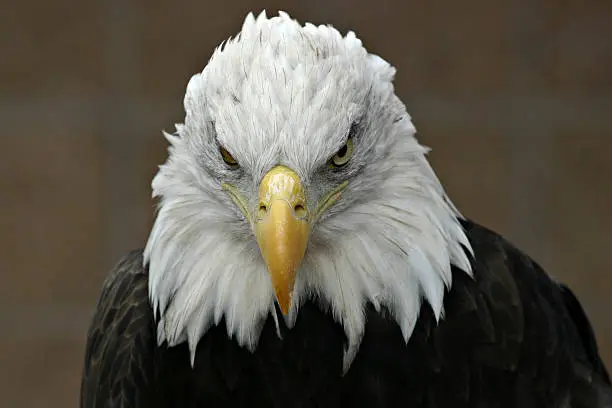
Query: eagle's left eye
228, 158
343, 155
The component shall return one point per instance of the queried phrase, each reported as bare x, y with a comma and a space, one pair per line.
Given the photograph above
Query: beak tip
284, 310
284, 305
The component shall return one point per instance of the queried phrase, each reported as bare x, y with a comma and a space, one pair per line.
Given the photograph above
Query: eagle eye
343, 155
228, 158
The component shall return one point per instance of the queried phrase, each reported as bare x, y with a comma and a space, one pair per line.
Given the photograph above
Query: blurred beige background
515, 97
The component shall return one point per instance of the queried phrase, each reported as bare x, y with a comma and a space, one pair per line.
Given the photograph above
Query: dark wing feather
119, 351
592, 387
585, 330
555, 340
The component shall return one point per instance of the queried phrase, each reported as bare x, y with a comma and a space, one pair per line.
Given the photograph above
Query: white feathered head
296, 176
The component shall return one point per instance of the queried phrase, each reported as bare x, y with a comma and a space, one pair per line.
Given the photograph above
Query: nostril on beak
300, 211
262, 210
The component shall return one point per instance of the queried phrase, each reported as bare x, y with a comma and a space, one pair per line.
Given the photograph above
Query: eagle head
296, 177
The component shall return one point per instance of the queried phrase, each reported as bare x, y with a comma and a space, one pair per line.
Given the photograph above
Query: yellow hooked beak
282, 228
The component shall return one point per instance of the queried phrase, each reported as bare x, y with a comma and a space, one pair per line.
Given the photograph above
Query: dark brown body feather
511, 337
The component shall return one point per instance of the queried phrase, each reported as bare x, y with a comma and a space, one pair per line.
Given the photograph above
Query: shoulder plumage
539, 324
120, 341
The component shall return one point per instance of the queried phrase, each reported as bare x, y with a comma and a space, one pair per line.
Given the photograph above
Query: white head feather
282, 93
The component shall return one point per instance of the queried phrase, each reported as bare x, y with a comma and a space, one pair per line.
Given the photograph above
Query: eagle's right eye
228, 158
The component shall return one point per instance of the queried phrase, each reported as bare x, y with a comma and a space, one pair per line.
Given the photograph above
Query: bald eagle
305, 254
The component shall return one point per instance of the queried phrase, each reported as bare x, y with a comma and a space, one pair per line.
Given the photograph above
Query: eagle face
296, 175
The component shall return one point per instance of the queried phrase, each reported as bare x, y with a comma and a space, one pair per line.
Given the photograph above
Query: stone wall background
515, 98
